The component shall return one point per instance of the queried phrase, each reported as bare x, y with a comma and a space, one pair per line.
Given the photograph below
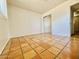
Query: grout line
42, 47
61, 50
21, 48
11, 42
54, 46
57, 47
9, 48
46, 49
32, 48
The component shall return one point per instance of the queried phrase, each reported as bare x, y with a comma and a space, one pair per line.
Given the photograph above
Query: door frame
72, 10
50, 23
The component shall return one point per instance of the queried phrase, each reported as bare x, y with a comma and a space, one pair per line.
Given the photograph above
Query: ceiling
39, 6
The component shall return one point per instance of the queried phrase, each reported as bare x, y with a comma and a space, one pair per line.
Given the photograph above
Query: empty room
39, 29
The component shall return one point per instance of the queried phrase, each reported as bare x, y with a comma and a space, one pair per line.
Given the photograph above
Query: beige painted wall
23, 22
4, 31
4, 28
61, 19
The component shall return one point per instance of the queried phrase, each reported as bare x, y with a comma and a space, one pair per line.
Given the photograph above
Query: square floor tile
47, 55
29, 55
34, 45
59, 46
54, 50
57, 58
24, 45
26, 49
37, 57
15, 57
23, 41
45, 45
19, 57
15, 53
41, 46
39, 49
14, 48
3, 57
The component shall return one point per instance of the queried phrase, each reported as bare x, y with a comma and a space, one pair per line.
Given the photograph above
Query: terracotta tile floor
42, 46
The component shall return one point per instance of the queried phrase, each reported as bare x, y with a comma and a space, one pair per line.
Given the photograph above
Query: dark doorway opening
75, 20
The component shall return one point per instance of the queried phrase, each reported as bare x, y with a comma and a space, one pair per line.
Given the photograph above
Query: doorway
47, 24
75, 20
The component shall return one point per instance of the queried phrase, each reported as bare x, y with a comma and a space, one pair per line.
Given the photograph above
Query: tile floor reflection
42, 46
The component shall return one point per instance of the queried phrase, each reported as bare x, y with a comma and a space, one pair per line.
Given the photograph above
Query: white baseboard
2, 46
15, 36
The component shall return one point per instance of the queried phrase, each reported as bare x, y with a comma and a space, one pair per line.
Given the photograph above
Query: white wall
3, 33
61, 18
4, 28
23, 22
60, 21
